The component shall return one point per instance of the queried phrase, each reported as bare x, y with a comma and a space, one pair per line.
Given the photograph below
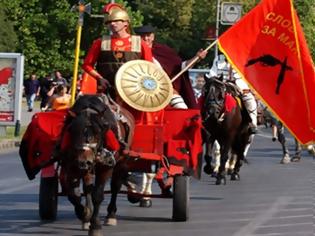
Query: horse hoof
95, 232
85, 226
295, 159
110, 222
133, 199
214, 175
87, 214
235, 176
221, 181
145, 203
285, 159
208, 169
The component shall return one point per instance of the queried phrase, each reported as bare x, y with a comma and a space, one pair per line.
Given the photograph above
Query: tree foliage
8, 37
45, 30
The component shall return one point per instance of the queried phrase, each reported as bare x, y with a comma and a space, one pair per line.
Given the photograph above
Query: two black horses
225, 121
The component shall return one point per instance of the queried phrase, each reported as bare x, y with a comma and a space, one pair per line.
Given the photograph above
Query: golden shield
144, 86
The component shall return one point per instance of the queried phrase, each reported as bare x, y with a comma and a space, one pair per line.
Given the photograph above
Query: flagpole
196, 58
217, 28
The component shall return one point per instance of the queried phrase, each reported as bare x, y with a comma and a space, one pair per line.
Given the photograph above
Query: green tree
306, 13
8, 37
46, 34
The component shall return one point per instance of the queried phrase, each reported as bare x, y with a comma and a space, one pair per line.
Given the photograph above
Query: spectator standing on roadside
31, 89
45, 87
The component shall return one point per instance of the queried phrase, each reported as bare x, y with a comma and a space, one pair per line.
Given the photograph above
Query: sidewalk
9, 144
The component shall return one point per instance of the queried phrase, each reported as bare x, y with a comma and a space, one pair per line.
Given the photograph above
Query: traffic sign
230, 13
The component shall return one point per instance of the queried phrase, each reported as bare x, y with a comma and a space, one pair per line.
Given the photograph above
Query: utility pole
217, 27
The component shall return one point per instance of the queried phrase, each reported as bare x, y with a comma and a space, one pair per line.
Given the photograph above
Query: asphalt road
271, 199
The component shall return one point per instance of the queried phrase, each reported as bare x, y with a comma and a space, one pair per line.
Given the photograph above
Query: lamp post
81, 8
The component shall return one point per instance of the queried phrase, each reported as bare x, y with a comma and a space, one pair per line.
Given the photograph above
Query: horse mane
91, 117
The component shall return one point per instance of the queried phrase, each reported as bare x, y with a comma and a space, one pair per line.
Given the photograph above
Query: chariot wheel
48, 198
181, 198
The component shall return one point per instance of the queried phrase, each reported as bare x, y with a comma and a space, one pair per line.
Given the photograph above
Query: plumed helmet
114, 11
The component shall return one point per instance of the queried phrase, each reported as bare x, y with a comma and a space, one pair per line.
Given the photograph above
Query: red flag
268, 48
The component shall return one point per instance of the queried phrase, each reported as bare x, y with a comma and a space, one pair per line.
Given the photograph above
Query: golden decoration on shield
144, 86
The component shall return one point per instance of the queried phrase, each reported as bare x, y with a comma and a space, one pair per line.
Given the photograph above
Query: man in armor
109, 53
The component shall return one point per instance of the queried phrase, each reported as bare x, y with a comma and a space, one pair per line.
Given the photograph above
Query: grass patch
10, 130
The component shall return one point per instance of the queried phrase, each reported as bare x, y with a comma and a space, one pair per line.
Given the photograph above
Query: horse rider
222, 67
219, 68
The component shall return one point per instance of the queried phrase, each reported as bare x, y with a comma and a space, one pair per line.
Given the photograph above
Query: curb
9, 144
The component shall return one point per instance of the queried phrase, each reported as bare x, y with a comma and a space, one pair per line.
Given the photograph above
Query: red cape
171, 63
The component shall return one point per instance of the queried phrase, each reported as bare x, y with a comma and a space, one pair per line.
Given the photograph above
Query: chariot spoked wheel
144, 86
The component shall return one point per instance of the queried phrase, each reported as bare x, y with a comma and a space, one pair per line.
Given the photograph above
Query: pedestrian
167, 58
31, 90
45, 87
59, 79
60, 99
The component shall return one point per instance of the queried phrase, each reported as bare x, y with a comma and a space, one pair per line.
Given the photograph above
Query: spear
81, 8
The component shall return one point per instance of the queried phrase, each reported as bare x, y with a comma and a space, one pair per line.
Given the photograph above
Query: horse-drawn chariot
169, 146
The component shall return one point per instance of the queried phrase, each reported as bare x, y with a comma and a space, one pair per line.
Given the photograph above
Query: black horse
224, 121
84, 158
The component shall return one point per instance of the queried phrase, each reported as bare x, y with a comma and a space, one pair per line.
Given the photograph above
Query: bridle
213, 105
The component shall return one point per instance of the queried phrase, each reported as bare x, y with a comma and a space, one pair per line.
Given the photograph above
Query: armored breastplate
110, 61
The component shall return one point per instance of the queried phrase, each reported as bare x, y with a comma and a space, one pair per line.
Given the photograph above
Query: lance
81, 8
192, 62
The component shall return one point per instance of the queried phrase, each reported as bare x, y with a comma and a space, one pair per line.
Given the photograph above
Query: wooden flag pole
192, 62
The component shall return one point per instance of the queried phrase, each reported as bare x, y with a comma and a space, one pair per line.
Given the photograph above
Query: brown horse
226, 122
85, 159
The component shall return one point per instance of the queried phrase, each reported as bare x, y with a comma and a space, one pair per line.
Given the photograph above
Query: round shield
144, 86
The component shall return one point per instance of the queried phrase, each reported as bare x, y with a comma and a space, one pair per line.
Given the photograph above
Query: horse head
214, 91
87, 131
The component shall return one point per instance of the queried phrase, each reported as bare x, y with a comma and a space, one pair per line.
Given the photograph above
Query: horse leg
230, 164
118, 177
286, 156
88, 209
102, 175
147, 189
208, 168
221, 179
239, 156
298, 150
247, 146
74, 196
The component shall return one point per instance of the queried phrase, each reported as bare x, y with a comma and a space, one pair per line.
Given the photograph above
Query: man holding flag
275, 61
